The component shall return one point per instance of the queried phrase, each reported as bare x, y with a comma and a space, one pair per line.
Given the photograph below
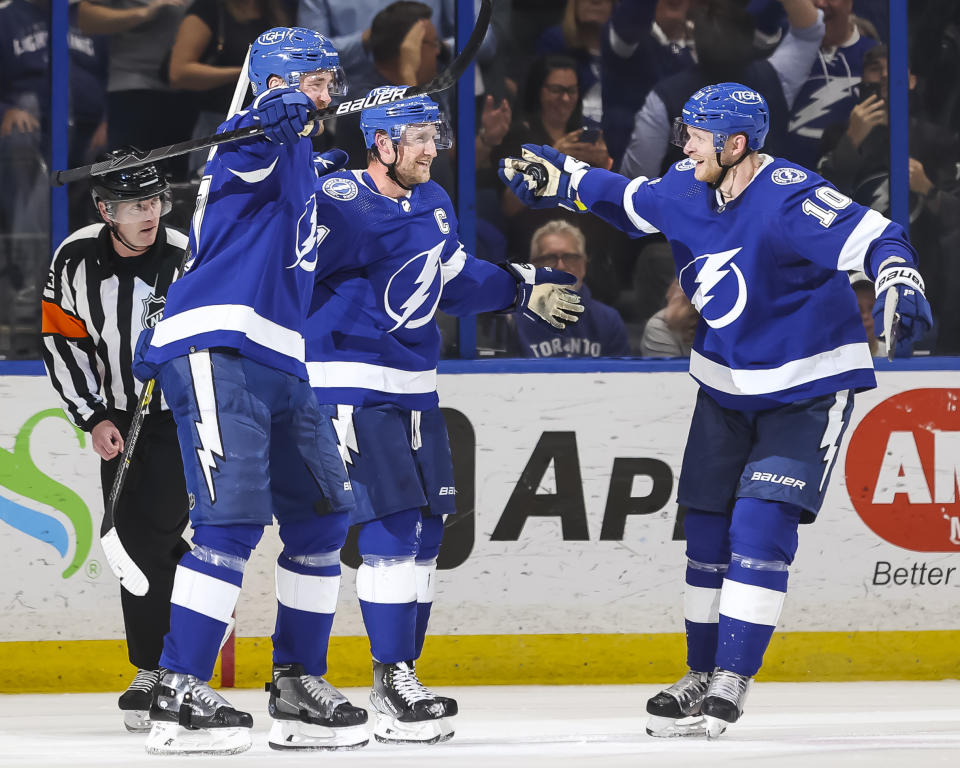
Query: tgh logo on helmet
747, 97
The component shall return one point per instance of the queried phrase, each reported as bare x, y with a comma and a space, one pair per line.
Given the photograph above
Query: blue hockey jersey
385, 267
254, 245
767, 272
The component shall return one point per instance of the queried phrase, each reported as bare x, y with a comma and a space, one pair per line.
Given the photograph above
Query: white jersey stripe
452, 266
229, 317
854, 250
765, 381
638, 221
369, 376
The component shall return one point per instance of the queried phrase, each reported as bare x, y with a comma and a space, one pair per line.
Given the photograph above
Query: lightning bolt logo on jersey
767, 271
254, 239
385, 266
419, 301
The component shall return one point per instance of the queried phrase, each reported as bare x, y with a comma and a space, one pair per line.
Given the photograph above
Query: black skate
724, 701
675, 711
309, 713
407, 712
189, 717
135, 701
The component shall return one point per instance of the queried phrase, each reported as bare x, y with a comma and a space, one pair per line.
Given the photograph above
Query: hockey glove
541, 296
330, 161
282, 112
901, 314
142, 369
544, 178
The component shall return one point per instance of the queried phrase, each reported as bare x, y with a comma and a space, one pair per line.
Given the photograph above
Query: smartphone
869, 89
589, 135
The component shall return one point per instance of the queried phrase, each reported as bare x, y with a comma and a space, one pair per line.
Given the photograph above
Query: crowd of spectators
600, 80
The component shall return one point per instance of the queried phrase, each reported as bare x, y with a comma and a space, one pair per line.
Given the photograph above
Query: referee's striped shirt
95, 305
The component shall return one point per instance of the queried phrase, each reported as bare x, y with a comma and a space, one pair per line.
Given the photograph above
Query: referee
108, 281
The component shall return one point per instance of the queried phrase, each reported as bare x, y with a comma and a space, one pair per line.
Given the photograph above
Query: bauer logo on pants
902, 469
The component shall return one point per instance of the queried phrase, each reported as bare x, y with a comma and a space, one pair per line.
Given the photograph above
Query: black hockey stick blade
441, 82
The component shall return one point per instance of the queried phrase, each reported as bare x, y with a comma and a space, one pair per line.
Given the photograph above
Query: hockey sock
307, 590
205, 592
431, 534
707, 556
387, 584
763, 537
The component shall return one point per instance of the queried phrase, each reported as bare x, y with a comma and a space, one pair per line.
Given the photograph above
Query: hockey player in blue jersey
388, 258
761, 247
229, 357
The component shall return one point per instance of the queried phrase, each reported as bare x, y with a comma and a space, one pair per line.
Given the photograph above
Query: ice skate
675, 711
724, 701
135, 701
309, 713
406, 711
189, 717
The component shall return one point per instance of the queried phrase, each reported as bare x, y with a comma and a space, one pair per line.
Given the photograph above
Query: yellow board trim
101, 665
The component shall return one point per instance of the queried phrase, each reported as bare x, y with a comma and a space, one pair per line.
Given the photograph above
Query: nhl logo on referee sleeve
785, 176
340, 189
152, 310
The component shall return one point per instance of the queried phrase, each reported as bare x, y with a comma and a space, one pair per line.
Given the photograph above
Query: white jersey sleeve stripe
369, 376
638, 221
452, 266
229, 317
764, 381
854, 250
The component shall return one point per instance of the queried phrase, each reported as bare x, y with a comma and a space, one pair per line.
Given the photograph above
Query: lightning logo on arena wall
24, 488
710, 270
415, 290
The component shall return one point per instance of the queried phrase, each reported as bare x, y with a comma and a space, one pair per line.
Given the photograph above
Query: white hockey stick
122, 565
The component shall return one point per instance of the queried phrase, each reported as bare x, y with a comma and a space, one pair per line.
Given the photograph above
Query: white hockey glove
901, 314
544, 178
543, 297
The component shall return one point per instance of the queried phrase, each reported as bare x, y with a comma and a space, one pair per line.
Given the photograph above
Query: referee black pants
150, 518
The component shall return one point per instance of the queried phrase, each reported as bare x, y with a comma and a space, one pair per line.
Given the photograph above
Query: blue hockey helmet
394, 116
725, 109
290, 52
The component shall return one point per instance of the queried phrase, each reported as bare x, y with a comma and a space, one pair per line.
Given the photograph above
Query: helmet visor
334, 79
419, 135
135, 211
680, 135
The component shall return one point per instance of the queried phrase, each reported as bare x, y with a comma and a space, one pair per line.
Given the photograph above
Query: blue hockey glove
542, 297
283, 114
544, 178
330, 161
901, 314
142, 369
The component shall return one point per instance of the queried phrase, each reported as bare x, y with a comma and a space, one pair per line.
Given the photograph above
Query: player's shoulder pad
340, 189
679, 180
787, 179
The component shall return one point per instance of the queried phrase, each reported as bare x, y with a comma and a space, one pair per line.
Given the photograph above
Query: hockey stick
122, 565
891, 321
441, 82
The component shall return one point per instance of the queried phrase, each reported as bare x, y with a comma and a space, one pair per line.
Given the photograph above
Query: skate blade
389, 730
714, 727
670, 728
173, 739
292, 734
137, 720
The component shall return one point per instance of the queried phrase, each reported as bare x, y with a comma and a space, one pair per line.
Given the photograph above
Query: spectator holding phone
857, 161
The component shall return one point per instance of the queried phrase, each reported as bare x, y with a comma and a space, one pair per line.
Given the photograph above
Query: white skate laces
145, 680
322, 691
406, 684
